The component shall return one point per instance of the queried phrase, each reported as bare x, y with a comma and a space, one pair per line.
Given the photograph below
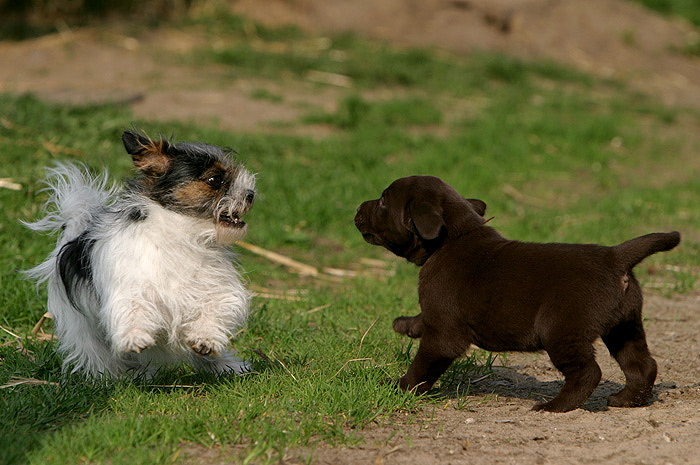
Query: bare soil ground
498, 427
494, 424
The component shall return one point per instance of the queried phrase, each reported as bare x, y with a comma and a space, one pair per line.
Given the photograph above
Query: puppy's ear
153, 158
427, 220
479, 206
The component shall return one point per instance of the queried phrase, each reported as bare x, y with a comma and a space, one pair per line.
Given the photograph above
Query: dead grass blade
375, 269
10, 332
333, 79
294, 295
57, 150
316, 309
279, 296
18, 381
262, 355
340, 272
40, 323
7, 183
44, 337
354, 360
285, 367
346, 364
519, 197
359, 349
301, 268
173, 386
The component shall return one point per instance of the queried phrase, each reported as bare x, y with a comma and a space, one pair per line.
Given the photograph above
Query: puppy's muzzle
362, 225
361, 221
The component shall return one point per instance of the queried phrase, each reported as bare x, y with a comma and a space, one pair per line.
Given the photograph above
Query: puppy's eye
215, 181
382, 204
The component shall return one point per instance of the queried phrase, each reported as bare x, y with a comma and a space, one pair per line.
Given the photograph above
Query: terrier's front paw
136, 341
204, 347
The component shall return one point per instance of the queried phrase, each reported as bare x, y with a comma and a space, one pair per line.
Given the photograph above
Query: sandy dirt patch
494, 424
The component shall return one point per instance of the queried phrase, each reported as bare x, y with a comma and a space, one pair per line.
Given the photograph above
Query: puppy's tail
75, 197
632, 252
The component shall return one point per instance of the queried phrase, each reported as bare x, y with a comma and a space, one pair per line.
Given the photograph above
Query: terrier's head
194, 179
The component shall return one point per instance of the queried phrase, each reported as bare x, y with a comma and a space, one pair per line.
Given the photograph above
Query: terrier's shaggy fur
142, 276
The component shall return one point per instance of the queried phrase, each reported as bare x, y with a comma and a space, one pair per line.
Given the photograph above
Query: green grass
687, 9
253, 50
558, 156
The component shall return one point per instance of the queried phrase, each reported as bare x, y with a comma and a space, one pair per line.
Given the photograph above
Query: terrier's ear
427, 220
153, 158
479, 206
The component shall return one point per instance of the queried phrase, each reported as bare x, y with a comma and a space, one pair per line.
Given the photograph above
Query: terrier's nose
249, 195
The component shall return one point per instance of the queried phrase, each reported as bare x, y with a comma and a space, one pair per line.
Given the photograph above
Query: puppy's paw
626, 398
539, 407
410, 326
416, 388
135, 341
553, 406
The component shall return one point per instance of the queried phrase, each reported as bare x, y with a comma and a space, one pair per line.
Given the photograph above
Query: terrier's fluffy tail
76, 195
635, 250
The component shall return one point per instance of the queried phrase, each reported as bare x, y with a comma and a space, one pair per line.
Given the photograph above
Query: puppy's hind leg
411, 326
626, 342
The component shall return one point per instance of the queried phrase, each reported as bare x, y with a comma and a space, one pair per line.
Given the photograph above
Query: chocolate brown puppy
477, 287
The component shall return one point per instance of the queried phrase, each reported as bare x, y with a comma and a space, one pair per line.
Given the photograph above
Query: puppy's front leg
435, 354
411, 326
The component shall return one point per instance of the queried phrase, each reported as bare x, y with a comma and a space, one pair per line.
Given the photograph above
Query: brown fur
476, 287
199, 191
151, 157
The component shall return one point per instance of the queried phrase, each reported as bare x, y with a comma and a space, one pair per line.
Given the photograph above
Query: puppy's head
193, 179
414, 215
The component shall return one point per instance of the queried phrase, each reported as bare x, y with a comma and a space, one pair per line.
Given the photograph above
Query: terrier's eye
215, 181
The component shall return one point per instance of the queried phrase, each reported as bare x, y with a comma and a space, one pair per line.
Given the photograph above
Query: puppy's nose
249, 195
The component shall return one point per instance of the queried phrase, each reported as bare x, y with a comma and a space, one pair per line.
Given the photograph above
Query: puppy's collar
488, 220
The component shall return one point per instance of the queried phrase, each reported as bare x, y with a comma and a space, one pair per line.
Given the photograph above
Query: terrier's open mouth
231, 221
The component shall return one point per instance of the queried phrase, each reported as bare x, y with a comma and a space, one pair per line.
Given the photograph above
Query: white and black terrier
142, 276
